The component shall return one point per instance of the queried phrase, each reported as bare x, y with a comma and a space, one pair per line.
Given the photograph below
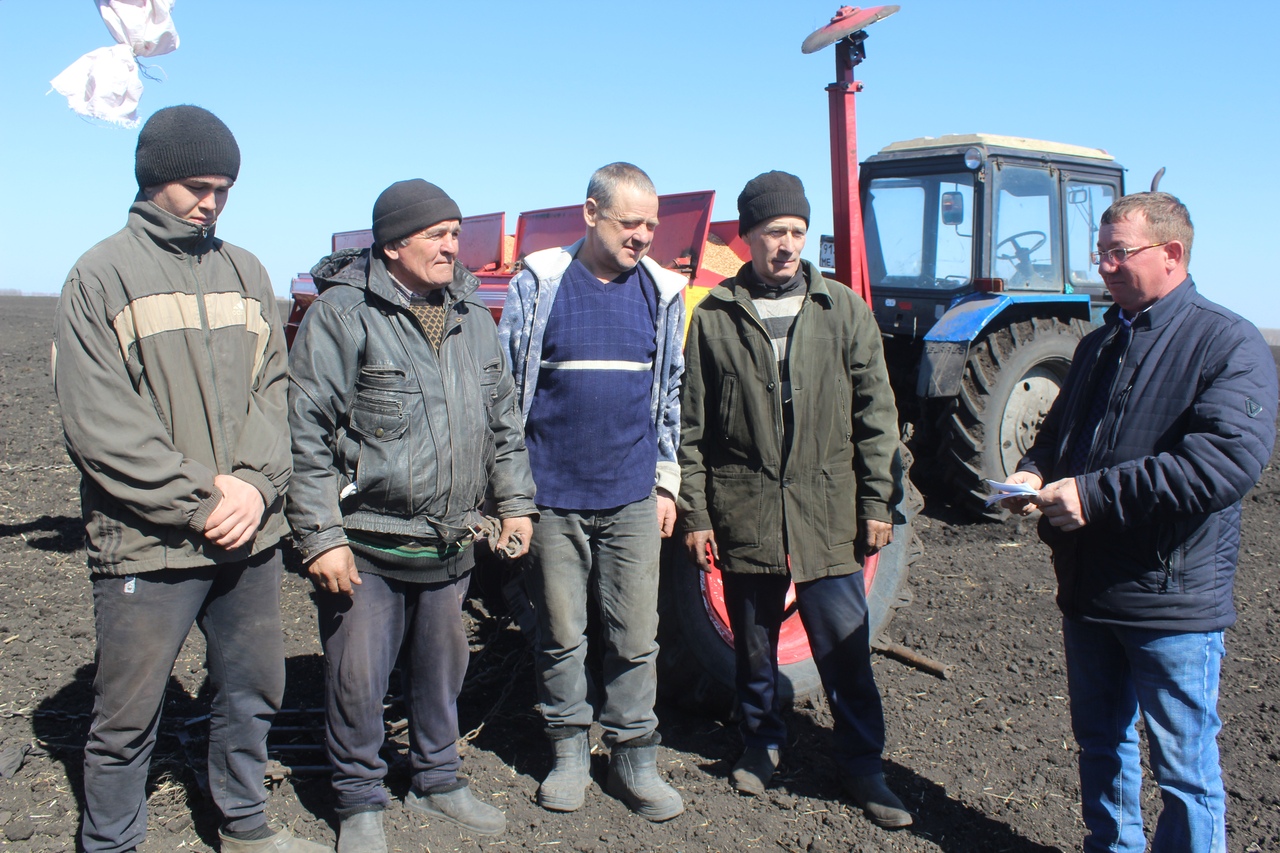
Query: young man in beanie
593, 333
789, 433
169, 367
403, 416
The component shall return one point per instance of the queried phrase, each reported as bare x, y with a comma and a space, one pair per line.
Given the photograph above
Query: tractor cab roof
956, 144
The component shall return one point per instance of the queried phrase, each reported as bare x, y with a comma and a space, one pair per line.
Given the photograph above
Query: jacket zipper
195, 264
1120, 360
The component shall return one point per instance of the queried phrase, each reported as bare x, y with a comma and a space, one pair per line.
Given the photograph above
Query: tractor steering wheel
1020, 252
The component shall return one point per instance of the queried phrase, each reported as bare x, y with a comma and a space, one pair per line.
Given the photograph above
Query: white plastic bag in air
104, 83
144, 25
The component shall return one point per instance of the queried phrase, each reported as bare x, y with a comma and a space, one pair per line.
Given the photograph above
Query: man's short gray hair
1167, 218
606, 180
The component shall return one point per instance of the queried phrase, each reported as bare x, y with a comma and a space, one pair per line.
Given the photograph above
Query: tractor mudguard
946, 346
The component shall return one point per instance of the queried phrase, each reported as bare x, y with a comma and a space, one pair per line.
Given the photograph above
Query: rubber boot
456, 804
565, 788
634, 779
753, 771
362, 833
880, 804
281, 842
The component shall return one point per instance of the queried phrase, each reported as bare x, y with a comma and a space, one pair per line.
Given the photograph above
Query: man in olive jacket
787, 439
169, 368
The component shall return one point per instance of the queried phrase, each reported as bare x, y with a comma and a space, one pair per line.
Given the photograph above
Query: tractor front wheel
1013, 375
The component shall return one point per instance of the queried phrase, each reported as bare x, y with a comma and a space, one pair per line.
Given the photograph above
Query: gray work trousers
613, 553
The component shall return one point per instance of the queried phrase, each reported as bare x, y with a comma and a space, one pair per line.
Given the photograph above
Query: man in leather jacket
403, 417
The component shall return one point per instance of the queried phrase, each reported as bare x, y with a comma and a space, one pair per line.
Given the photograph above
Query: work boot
282, 842
753, 771
456, 804
565, 788
880, 804
634, 779
362, 833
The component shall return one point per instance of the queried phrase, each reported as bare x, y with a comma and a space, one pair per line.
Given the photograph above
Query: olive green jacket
733, 478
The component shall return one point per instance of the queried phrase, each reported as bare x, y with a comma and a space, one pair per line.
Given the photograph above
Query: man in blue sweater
1165, 422
593, 332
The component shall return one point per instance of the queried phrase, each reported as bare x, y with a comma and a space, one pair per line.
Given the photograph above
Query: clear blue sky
510, 105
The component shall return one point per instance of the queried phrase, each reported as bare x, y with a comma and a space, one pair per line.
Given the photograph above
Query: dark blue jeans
834, 613
615, 553
142, 622
362, 637
1114, 672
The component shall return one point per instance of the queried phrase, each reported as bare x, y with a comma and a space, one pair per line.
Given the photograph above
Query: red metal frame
851, 251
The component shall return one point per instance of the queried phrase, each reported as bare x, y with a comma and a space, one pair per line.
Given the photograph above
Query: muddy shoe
565, 788
634, 779
457, 804
362, 833
753, 771
282, 842
880, 804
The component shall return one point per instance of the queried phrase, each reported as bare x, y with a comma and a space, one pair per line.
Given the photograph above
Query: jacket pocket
840, 490
379, 423
489, 376
381, 377
728, 404
736, 504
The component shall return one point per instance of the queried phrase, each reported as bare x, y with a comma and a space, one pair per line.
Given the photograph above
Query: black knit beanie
184, 142
769, 195
407, 207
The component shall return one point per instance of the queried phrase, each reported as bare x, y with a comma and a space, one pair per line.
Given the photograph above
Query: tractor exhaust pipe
1155, 181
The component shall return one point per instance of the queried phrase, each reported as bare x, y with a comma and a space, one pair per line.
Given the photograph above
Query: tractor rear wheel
1013, 375
696, 660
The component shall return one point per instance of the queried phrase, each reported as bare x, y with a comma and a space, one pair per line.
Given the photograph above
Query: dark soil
985, 759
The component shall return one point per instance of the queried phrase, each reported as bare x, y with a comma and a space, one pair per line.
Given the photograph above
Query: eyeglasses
629, 224
1120, 255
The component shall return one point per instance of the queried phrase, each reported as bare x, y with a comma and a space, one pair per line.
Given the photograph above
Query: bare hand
697, 543
666, 514
875, 535
335, 571
237, 517
1060, 503
1023, 504
520, 529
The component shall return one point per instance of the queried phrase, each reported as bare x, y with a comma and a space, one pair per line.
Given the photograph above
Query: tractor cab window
919, 231
1024, 251
1085, 205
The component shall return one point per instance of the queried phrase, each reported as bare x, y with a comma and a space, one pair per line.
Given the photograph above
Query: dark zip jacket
389, 435
1189, 426
169, 368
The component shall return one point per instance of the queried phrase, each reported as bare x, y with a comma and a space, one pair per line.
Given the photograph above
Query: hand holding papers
1001, 491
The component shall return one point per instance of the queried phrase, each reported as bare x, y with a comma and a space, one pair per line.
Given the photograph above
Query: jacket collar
1162, 311
359, 269
170, 233
736, 290
551, 263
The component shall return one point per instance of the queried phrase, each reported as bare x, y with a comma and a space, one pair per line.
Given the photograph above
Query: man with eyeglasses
789, 435
403, 417
1165, 422
593, 332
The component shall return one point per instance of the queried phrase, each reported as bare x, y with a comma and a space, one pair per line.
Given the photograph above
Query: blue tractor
977, 253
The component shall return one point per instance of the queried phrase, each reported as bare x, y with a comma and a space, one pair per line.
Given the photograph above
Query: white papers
1000, 491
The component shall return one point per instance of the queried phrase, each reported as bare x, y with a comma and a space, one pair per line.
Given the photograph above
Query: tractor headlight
972, 159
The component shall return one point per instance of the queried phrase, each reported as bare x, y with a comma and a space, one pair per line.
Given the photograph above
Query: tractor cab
956, 215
